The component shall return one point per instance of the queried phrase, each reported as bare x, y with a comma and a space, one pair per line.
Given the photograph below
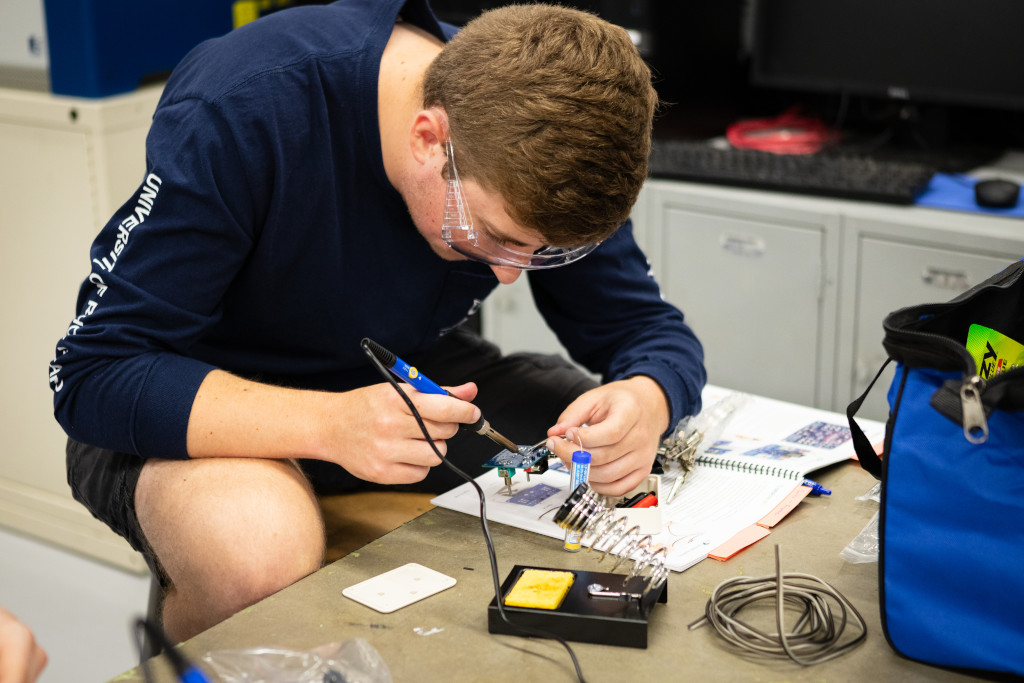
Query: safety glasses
458, 233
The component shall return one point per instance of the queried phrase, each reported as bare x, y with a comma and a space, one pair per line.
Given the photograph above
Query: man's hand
624, 422
21, 658
376, 437
369, 431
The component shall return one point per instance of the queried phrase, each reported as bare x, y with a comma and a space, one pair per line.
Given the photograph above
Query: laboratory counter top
445, 636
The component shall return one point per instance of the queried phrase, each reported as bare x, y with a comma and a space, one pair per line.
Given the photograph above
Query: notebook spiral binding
605, 532
755, 468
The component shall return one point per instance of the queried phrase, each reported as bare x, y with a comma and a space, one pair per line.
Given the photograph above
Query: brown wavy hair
551, 108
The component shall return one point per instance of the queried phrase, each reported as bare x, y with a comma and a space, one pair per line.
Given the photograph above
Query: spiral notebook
779, 439
751, 475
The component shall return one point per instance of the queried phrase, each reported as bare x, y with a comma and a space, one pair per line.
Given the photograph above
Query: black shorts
521, 395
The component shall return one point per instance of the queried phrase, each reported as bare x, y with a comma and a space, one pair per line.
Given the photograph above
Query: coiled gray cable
816, 636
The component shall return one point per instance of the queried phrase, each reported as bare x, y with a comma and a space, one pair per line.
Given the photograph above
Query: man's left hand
624, 423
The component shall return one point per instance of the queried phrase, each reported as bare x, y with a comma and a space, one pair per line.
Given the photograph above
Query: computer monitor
948, 52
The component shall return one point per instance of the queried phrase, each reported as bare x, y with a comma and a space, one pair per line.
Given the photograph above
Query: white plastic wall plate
399, 587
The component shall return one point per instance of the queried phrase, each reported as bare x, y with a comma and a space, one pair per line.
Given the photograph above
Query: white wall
80, 611
24, 55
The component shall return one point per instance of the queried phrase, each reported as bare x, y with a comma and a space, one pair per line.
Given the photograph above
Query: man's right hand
376, 437
369, 431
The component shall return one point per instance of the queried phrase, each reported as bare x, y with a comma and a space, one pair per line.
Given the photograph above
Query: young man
301, 193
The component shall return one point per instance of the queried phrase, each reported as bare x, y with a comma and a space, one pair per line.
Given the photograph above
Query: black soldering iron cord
492, 555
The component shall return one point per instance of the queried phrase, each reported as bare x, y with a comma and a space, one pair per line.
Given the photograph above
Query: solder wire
815, 637
491, 554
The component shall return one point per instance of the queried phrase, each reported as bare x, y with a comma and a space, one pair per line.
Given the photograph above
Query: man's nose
506, 275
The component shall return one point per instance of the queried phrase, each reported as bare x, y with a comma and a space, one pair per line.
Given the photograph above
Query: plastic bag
874, 494
352, 661
864, 548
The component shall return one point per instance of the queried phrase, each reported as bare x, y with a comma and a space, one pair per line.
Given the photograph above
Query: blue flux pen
577, 475
816, 488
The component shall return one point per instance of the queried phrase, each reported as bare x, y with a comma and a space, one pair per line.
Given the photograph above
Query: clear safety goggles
458, 233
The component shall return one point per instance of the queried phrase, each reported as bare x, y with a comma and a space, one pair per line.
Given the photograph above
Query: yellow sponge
540, 589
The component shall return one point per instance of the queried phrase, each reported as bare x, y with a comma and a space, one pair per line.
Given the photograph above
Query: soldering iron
424, 385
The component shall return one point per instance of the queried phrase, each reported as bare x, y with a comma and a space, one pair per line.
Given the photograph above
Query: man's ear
428, 134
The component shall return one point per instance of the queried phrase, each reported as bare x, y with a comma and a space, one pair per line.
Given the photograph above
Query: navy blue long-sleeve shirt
266, 240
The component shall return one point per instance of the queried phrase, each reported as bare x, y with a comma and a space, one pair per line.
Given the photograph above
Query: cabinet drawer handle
741, 245
944, 278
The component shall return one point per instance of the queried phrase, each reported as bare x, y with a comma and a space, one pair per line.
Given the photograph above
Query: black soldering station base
580, 617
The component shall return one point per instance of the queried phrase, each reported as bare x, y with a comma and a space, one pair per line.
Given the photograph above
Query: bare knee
274, 556
228, 533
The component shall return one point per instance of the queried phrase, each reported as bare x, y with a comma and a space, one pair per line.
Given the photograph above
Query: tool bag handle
869, 459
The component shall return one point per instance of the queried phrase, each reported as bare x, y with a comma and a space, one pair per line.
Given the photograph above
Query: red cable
788, 133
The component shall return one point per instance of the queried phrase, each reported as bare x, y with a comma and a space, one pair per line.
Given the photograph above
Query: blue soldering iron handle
401, 369
423, 384
427, 386
413, 377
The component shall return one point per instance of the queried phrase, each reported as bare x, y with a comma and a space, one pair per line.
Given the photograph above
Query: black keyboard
829, 174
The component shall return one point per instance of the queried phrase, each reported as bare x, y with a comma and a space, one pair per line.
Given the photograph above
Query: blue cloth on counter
955, 191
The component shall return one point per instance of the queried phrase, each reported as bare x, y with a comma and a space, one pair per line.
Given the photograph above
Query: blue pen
816, 488
404, 371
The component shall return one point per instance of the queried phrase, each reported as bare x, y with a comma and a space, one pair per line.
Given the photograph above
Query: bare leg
228, 532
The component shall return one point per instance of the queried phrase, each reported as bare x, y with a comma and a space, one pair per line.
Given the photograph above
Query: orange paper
747, 537
784, 507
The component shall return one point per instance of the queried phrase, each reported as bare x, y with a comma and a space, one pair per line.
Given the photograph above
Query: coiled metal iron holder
607, 533
607, 608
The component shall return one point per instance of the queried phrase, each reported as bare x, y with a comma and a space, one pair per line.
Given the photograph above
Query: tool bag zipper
971, 399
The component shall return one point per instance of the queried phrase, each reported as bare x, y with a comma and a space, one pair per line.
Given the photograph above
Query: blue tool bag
951, 524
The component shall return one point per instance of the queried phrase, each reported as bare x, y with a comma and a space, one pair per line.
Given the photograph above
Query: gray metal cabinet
755, 282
